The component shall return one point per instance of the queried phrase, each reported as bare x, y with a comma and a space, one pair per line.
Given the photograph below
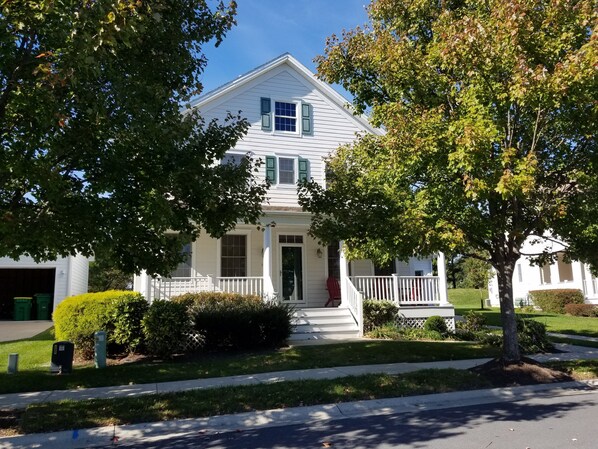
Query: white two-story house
296, 121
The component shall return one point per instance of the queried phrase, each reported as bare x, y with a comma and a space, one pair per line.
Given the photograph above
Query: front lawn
34, 358
465, 300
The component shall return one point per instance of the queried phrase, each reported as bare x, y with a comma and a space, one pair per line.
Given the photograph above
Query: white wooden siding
331, 126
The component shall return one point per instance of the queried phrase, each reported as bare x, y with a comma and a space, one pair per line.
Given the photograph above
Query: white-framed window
565, 269
234, 159
545, 276
233, 255
285, 116
184, 268
285, 170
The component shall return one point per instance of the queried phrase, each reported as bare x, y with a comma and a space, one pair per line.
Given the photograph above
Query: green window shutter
266, 114
306, 119
303, 169
271, 169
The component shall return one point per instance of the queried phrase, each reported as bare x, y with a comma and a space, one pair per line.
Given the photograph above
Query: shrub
436, 323
412, 333
78, 317
377, 313
581, 309
532, 336
232, 322
165, 328
126, 315
473, 322
388, 331
554, 301
191, 300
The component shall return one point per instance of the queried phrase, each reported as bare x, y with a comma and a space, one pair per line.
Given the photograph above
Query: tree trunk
511, 352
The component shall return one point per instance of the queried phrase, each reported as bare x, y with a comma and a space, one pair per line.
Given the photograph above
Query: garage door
23, 282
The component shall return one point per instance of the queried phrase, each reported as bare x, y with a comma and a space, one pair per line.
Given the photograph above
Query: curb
153, 432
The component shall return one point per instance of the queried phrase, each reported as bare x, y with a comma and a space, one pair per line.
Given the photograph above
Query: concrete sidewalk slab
19, 330
151, 432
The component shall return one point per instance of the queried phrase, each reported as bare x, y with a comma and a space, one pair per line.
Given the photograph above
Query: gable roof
289, 60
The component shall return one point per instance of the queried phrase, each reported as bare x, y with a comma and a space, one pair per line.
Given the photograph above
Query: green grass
35, 355
65, 415
468, 299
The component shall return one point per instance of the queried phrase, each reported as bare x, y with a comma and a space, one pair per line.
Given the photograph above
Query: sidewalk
22, 400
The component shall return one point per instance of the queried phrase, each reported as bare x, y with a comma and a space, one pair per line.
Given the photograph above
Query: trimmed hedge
554, 301
78, 317
228, 321
581, 310
378, 313
165, 328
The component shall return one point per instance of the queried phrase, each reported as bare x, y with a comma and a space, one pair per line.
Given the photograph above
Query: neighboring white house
296, 121
24, 277
556, 275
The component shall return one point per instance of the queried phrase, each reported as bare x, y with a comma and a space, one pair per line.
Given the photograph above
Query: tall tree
96, 154
490, 114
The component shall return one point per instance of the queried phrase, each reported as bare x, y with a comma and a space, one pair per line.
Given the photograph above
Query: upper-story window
286, 170
232, 159
285, 116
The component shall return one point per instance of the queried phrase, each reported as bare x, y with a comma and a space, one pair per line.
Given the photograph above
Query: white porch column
344, 271
145, 286
442, 284
267, 262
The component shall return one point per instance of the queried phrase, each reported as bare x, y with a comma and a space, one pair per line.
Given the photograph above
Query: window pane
285, 117
286, 172
184, 268
565, 269
233, 257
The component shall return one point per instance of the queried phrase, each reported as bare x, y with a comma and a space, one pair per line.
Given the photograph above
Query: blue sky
268, 28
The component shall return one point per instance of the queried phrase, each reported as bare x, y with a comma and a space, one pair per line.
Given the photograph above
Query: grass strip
578, 369
64, 415
37, 378
573, 341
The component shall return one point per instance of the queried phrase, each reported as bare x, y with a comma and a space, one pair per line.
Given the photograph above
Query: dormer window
285, 116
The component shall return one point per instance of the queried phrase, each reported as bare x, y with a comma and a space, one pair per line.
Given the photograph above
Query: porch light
319, 253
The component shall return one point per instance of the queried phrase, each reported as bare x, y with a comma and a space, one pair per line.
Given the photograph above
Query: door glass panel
292, 273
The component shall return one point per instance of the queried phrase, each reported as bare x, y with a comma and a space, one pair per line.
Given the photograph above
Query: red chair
334, 291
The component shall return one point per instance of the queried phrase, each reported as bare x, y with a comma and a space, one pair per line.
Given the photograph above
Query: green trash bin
23, 308
43, 301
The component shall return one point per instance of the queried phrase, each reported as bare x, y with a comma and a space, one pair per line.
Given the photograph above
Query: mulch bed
526, 372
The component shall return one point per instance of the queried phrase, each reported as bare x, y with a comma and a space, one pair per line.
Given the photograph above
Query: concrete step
331, 323
324, 320
320, 312
328, 327
323, 335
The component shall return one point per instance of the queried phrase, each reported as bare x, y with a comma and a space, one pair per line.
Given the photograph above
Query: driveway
17, 330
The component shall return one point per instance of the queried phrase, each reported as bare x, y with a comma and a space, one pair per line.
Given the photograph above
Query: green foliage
104, 275
436, 323
127, 312
219, 299
476, 273
474, 321
378, 313
490, 123
95, 152
581, 310
238, 322
386, 331
78, 317
532, 336
554, 301
165, 328
412, 333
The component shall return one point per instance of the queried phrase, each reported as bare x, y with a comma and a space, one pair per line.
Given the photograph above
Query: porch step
323, 324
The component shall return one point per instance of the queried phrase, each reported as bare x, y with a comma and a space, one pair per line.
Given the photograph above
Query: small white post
344, 272
442, 284
13, 363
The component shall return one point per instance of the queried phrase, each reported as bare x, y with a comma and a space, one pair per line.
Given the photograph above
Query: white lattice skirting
417, 316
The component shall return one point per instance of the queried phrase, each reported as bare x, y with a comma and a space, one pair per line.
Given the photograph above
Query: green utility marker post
100, 349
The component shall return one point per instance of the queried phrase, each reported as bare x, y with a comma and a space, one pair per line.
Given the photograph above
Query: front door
291, 274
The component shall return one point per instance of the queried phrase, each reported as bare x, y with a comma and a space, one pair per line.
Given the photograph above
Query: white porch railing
166, 288
355, 304
402, 290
